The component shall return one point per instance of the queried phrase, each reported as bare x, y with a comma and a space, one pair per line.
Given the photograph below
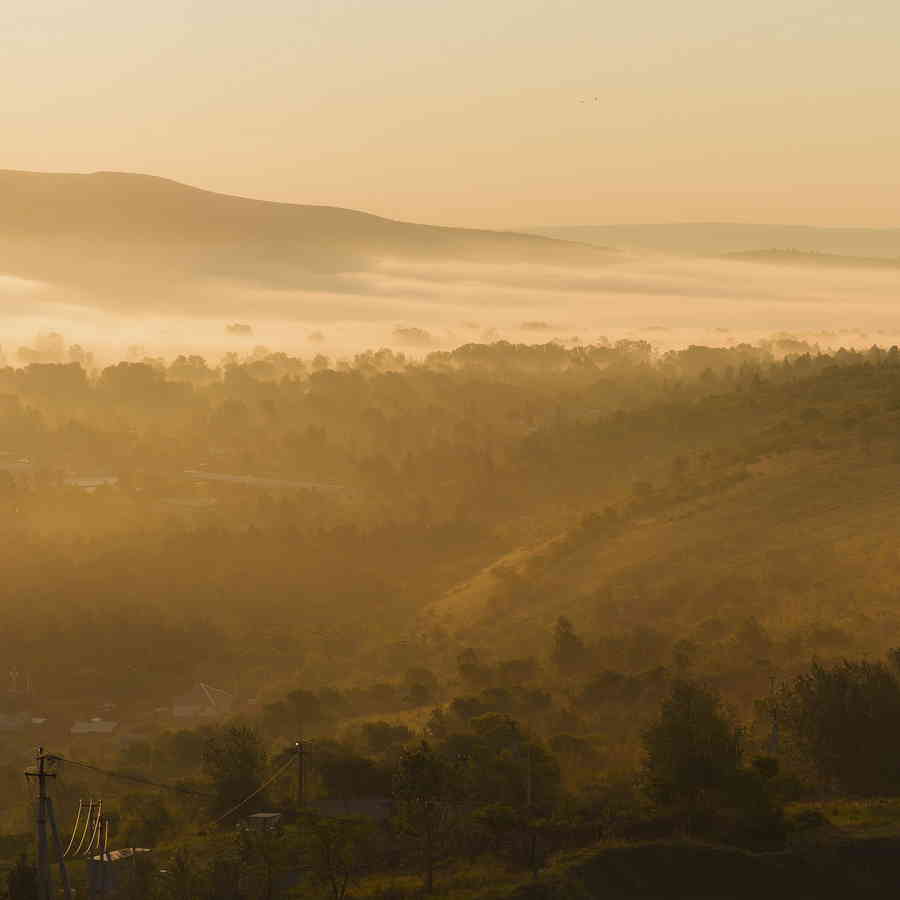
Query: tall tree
425, 788
692, 749
335, 851
234, 760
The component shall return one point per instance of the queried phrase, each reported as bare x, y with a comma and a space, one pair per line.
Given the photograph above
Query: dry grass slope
804, 538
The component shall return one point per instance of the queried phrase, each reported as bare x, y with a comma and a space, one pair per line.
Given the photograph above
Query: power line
96, 833
169, 787
75, 827
137, 779
259, 790
87, 826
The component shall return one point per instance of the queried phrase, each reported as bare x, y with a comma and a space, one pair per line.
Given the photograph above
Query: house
95, 725
202, 700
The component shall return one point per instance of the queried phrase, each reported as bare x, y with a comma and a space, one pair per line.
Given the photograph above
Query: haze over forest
117, 261
512, 530
449, 450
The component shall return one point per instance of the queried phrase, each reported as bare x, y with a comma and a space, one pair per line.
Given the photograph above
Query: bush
845, 718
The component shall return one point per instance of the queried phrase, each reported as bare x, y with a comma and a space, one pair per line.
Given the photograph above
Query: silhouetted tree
234, 760
845, 718
692, 749
425, 788
569, 652
336, 852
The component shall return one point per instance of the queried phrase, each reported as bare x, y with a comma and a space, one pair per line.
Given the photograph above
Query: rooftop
94, 726
116, 855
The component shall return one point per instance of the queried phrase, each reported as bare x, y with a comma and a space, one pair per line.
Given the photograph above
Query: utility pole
45, 816
300, 750
530, 787
775, 737
45, 885
526, 756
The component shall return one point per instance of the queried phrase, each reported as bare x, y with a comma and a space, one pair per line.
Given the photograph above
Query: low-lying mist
416, 307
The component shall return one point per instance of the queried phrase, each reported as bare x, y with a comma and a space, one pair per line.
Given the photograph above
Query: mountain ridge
717, 238
131, 242
43, 204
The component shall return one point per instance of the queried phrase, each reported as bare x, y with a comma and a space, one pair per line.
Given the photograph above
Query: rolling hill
714, 239
789, 517
109, 231
811, 258
815, 518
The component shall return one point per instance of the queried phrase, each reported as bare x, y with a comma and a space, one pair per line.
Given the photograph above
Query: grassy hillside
809, 510
782, 508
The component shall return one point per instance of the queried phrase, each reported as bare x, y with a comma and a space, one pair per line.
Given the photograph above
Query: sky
485, 113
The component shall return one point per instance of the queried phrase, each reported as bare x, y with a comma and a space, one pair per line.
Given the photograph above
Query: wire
87, 826
96, 835
168, 787
137, 779
74, 828
259, 790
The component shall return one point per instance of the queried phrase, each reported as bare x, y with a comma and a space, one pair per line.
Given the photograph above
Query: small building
90, 483
191, 504
259, 481
263, 821
94, 726
111, 872
202, 700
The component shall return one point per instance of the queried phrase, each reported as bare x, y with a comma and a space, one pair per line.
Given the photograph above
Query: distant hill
811, 258
111, 230
715, 238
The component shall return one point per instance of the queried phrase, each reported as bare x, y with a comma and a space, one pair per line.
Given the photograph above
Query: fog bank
415, 307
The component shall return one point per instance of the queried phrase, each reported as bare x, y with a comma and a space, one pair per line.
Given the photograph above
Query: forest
490, 622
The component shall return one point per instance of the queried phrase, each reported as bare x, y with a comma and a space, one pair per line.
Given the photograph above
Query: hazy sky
476, 112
